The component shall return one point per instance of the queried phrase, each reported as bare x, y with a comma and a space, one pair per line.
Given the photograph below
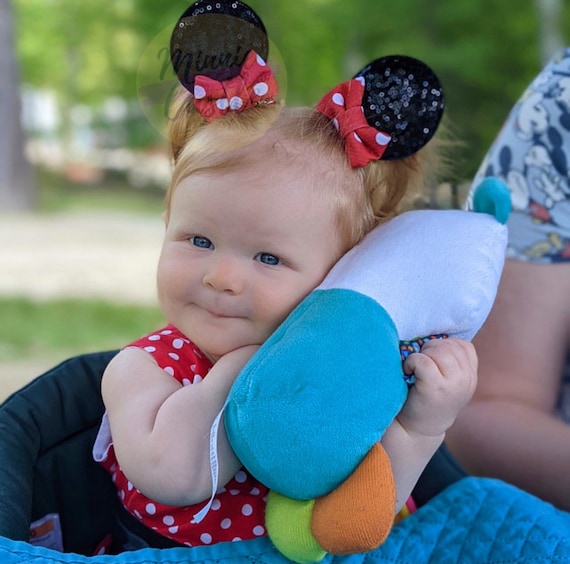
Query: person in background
516, 426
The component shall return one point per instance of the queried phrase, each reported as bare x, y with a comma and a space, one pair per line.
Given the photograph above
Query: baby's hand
446, 376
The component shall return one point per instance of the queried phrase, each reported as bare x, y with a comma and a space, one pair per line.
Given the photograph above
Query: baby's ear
165, 217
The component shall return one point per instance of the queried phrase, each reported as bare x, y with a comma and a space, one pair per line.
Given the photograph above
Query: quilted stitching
474, 521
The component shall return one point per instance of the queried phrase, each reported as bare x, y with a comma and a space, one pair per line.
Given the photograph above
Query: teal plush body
305, 412
314, 400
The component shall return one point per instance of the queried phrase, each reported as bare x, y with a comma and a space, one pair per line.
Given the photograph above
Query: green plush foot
288, 523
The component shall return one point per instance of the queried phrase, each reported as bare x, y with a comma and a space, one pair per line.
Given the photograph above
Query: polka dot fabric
343, 105
254, 85
238, 510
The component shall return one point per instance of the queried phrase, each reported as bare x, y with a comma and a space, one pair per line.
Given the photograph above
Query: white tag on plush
214, 466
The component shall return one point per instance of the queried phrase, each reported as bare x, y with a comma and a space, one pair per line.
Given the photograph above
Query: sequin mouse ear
212, 38
389, 110
404, 98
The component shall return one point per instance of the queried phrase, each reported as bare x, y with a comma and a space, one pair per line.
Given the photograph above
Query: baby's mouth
215, 313
219, 313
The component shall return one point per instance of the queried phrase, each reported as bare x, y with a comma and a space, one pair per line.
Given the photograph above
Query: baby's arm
161, 429
446, 375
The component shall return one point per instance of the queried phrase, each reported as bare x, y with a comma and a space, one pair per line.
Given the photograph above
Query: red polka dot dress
238, 509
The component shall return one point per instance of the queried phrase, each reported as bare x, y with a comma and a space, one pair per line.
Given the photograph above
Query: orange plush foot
359, 514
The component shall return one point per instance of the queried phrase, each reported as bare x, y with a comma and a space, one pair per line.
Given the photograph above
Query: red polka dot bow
255, 84
343, 105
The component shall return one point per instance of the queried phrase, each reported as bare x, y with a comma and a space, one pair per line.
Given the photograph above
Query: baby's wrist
422, 432
424, 436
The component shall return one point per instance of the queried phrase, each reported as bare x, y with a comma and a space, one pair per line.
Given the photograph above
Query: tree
484, 52
17, 185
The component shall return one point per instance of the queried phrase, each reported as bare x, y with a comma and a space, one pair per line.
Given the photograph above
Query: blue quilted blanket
474, 521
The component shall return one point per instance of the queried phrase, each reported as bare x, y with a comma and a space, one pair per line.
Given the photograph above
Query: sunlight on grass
67, 327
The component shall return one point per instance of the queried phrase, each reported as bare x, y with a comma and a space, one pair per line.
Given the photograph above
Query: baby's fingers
419, 363
444, 368
452, 357
446, 375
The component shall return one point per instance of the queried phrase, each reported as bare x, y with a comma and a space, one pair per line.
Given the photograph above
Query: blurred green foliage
485, 52
59, 194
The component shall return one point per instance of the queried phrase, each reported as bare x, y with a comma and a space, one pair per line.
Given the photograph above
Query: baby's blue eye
201, 242
266, 258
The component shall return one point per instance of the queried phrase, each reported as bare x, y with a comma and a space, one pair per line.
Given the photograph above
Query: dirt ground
111, 256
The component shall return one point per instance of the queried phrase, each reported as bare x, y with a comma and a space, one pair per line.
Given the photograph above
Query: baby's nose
224, 274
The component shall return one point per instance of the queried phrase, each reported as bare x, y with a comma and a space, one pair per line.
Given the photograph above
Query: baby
264, 200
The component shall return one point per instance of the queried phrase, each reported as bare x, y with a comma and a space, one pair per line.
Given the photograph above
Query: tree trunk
17, 182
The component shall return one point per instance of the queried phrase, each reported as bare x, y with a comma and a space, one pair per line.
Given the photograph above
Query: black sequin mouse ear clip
219, 50
388, 111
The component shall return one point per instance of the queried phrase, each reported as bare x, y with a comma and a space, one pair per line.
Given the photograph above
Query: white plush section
434, 271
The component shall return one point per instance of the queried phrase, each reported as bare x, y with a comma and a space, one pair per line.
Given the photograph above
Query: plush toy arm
434, 271
355, 517
359, 514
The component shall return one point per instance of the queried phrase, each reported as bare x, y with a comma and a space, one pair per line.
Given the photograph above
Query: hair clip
218, 50
389, 110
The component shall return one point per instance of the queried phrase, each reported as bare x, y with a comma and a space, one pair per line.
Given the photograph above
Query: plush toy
306, 415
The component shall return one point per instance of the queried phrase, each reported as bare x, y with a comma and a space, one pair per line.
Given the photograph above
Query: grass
67, 327
62, 328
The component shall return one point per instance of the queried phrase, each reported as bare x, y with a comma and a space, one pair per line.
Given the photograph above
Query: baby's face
242, 248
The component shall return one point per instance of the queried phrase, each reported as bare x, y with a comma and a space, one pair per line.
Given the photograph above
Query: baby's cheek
266, 330
169, 281
278, 318
275, 306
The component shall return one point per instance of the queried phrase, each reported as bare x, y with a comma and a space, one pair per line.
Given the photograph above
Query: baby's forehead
301, 152
297, 164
